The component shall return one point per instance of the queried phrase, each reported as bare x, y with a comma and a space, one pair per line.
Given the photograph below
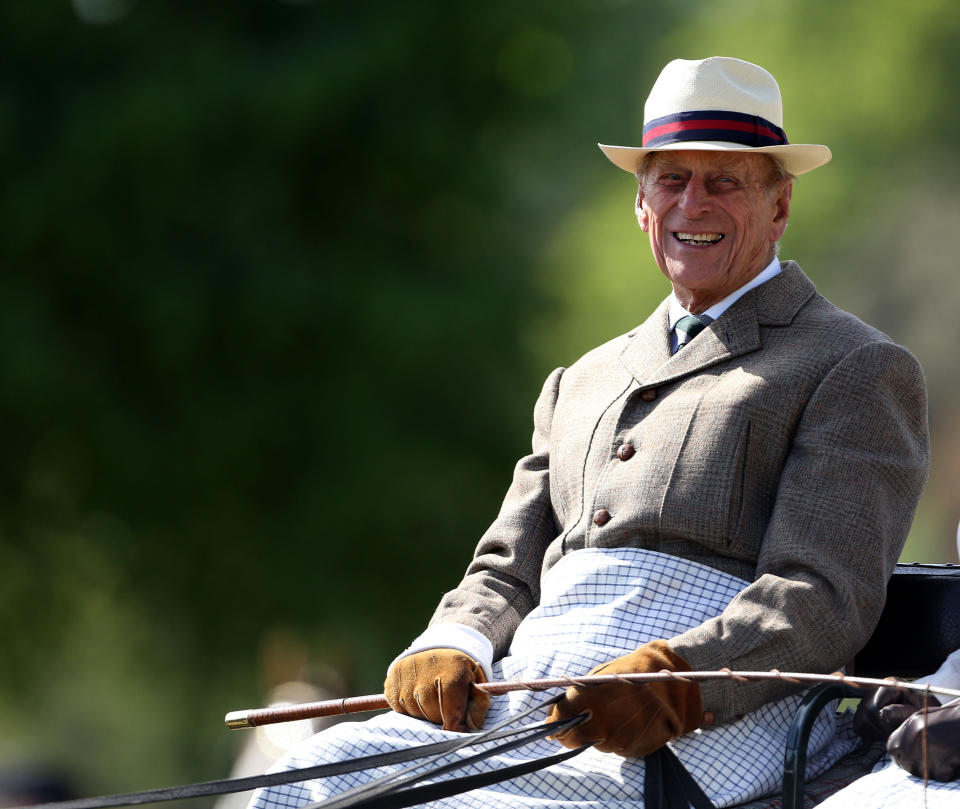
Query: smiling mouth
698, 239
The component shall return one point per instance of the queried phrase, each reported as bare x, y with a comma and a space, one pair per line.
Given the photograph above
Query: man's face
713, 220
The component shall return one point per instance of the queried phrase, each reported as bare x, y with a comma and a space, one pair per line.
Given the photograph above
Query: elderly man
727, 485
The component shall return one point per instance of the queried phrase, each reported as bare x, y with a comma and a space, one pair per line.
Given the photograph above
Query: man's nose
695, 198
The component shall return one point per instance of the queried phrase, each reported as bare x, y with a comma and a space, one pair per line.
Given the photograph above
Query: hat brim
797, 158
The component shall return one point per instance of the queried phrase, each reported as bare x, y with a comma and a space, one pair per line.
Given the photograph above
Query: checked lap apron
596, 604
889, 787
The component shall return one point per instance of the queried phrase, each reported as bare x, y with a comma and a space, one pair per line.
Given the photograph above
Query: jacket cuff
463, 638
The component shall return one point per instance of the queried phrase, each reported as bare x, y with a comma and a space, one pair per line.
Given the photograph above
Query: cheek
759, 223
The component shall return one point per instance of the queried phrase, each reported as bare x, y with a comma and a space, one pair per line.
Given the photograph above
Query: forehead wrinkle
714, 162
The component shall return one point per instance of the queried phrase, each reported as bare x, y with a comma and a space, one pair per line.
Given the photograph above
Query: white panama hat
717, 104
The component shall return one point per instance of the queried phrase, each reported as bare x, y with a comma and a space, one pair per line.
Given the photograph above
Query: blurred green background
281, 281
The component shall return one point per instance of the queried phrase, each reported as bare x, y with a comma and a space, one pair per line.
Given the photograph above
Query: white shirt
711, 314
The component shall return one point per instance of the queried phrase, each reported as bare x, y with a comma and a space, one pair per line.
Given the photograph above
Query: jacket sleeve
502, 583
844, 504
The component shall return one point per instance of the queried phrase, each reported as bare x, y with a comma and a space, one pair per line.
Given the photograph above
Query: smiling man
713, 220
728, 485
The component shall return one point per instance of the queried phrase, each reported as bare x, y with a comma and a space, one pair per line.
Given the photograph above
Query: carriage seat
918, 628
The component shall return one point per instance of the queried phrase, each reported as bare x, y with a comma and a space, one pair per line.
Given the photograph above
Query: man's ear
641, 211
782, 210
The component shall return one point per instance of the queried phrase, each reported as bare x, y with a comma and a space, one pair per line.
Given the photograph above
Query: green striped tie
687, 328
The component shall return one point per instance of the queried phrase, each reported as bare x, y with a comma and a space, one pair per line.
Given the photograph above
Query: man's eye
723, 183
671, 179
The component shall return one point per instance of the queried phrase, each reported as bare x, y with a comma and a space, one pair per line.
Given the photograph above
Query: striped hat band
713, 125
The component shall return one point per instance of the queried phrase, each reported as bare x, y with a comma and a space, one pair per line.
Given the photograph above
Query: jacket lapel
736, 332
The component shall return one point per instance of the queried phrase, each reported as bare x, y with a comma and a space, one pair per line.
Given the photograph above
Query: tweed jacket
786, 445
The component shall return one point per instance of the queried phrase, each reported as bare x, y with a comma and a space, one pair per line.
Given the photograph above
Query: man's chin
704, 273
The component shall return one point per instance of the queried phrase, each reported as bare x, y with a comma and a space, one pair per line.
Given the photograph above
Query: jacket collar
736, 332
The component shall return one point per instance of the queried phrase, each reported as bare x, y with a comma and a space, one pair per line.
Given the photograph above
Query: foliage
281, 283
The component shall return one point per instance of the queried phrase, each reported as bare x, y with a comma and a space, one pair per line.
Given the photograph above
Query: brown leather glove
906, 743
631, 719
883, 711
437, 685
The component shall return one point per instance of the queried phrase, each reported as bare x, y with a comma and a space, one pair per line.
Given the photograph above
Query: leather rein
667, 785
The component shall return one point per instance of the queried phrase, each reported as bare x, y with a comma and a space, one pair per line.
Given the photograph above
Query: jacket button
601, 517
649, 394
625, 452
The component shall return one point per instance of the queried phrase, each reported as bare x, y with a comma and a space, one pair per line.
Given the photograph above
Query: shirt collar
677, 311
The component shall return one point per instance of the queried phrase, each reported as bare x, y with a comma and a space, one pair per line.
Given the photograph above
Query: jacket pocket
738, 482
705, 499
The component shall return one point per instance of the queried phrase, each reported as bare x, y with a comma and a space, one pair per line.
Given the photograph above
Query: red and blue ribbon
713, 125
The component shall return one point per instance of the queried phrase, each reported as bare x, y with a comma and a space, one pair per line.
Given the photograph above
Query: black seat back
919, 626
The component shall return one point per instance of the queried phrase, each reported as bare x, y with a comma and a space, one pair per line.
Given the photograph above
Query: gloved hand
437, 685
906, 743
888, 707
632, 719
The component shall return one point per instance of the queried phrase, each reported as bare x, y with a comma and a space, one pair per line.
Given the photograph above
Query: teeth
699, 238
